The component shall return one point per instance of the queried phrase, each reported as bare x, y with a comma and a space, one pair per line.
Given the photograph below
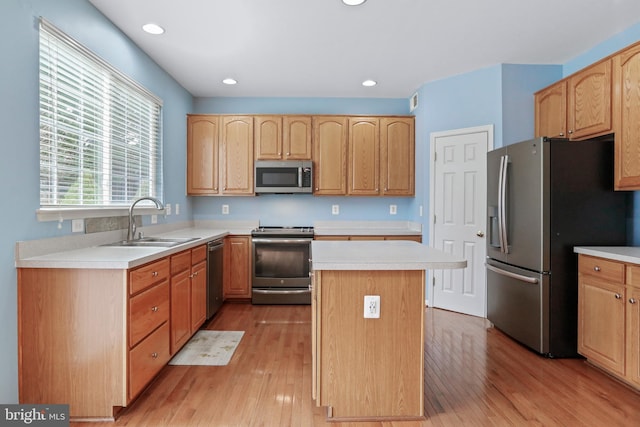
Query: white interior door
458, 216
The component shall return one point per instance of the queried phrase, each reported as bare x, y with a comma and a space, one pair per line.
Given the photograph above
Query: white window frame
78, 102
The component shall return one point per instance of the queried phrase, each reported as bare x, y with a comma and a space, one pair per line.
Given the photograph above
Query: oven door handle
281, 291
283, 241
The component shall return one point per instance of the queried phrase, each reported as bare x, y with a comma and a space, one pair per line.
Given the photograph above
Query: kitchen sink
153, 242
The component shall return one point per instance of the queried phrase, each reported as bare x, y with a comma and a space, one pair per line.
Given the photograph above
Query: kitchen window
100, 131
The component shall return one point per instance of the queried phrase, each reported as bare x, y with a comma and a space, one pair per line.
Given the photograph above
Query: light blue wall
19, 170
303, 209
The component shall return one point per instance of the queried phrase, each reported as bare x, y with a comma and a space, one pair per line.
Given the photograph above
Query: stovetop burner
282, 231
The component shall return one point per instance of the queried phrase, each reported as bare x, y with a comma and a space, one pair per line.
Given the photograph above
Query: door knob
480, 233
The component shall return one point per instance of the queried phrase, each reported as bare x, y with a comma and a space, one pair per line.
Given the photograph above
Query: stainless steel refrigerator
546, 196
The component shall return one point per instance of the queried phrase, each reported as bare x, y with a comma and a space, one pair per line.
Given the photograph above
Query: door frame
488, 129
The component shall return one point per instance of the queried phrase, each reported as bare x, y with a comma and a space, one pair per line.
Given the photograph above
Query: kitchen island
370, 368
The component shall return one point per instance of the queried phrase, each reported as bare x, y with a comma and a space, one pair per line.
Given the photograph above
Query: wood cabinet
626, 71
96, 338
577, 107
330, 142
188, 294
202, 154
363, 168
397, 156
236, 164
283, 137
551, 111
608, 316
237, 267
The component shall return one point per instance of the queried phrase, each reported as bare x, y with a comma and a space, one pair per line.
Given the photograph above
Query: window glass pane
100, 135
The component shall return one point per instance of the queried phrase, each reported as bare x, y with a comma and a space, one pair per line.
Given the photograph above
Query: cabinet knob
632, 300
154, 355
154, 308
195, 274
154, 274
288, 154
570, 132
561, 134
618, 296
596, 268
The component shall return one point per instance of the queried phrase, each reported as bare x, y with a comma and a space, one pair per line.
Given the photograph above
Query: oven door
281, 270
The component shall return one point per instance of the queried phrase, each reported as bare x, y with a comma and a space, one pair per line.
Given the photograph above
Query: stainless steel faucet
132, 224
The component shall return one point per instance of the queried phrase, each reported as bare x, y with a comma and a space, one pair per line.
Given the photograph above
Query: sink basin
153, 242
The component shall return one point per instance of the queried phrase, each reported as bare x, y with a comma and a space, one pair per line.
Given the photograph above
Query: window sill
61, 214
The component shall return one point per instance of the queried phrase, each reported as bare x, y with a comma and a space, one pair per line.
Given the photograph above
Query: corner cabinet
609, 316
95, 338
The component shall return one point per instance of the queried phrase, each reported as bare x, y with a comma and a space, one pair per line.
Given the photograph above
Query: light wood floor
474, 376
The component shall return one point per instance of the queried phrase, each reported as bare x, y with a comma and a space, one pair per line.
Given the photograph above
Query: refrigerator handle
502, 204
516, 276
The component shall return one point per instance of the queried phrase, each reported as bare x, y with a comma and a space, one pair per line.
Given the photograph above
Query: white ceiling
322, 48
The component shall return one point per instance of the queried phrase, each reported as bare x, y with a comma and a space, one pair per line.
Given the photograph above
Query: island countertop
380, 255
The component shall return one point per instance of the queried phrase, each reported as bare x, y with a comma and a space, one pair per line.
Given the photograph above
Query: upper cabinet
283, 137
364, 156
202, 154
397, 156
237, 155
330, 155
577, 107
626, 107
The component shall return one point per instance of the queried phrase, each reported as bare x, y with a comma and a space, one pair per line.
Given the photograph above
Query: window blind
100, 132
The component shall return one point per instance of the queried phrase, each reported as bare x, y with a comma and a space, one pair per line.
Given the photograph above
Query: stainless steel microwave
283, 177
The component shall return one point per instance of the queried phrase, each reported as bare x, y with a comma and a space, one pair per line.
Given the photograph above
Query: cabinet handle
596, 268
561, 134
570, 132
154, 308
154, 274
154, 355
618, 296
632, 300
195, 274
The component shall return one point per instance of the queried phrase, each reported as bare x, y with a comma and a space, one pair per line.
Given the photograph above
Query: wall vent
413, 102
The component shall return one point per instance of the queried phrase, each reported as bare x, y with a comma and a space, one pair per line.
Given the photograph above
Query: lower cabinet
237, 268
95, 338
609, 317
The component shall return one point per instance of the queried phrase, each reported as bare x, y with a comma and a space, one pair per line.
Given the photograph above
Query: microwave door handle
300, 176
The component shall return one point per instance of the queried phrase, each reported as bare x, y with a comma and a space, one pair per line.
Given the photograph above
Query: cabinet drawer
598, 267
198, 254
146, 276
147, 311
180, 262
147, 359
633, 275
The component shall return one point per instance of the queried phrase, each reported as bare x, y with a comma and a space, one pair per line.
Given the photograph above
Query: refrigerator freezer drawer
516, 304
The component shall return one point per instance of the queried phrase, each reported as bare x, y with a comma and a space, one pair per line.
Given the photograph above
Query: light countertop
380, 255
366, 228
630, 254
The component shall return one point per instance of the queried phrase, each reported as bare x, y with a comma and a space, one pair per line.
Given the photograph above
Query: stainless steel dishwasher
214, 276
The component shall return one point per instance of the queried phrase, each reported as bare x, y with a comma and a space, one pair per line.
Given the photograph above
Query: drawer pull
154, 308
632, 300
154, 355
618, 296
154, 274
596, 268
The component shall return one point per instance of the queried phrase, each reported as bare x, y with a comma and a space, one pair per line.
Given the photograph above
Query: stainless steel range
281, 265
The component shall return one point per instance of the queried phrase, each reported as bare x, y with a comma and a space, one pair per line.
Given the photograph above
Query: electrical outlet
77, 225
372, 306
393, 209
420, 210
167, 208
154, 219
335, 210
225, 209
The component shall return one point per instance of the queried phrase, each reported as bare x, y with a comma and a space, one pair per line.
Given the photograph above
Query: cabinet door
551, 111
330, 155
590, 101
237, 267
180, 310
198, 295
364, 156
296, 139
601, 324
627, 110
633, 335
237, 155
397, 156
202, 154
268, 137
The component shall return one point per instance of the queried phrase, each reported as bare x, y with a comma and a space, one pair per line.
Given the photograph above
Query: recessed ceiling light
369, 83
153, 28
353, 2
229, 81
